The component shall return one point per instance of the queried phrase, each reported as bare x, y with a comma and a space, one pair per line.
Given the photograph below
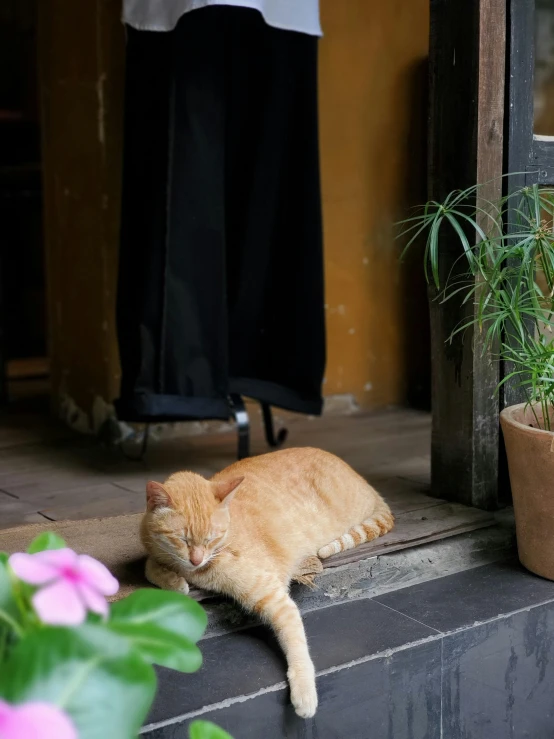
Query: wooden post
467, 64
81, 62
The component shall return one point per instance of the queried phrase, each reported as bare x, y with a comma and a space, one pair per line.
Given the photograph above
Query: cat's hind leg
379, 524
307, 570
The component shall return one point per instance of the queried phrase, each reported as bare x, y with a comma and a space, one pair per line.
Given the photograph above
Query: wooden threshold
415, 527
114, 540
28, 368
419, 519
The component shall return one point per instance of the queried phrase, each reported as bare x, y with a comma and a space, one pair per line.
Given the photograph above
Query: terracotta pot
530, 453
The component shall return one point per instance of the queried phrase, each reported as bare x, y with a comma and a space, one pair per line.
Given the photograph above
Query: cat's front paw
180, 585
175, 583
172, 581
164, 578
303, 693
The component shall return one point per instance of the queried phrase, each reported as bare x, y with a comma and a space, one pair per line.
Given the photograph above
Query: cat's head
187, 518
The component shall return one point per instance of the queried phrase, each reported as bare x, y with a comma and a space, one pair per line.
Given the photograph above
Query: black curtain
221, 264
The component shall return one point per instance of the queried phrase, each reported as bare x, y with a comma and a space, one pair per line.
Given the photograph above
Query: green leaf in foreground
44, 541
7, 602
170, 611
10, 617
162, 626
106, 688
207, 730
160, 647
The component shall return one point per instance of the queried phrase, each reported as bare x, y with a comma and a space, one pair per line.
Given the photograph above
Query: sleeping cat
247, 531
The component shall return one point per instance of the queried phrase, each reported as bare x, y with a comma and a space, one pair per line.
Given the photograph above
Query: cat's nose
196, 556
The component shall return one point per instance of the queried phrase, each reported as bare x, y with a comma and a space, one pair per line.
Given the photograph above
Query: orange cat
245, 532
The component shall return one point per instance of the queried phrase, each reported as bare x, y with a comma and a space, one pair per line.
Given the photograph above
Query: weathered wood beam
467, 77
81, 62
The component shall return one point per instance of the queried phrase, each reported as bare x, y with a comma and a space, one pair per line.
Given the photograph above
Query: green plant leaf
162, 626
105, 687
7, 602
10, 615
44, 541
207, 730
503, 279
159, 646
171, 611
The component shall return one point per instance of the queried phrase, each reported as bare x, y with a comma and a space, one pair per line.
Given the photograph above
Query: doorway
23, 336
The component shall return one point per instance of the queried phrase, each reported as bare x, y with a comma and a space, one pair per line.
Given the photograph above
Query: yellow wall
373, 109
372, 98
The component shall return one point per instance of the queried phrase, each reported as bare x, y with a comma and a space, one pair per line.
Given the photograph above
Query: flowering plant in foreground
73, 666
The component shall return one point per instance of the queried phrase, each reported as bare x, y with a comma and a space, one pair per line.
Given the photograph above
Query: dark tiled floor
499, 678
48, 472
367, 701
385, 663
475, 595
253, 661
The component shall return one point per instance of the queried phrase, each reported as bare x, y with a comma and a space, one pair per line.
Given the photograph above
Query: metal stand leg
144, 446
272, 440
243, 426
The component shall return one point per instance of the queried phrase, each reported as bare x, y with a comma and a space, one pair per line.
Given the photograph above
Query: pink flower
36, 720
73, 583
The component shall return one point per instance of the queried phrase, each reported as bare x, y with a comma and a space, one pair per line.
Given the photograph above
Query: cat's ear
223, 490
157, 496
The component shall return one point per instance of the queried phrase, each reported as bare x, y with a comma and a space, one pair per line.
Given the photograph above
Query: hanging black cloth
221, 266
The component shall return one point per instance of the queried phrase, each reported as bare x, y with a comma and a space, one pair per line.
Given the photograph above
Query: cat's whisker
172, 554
219, 551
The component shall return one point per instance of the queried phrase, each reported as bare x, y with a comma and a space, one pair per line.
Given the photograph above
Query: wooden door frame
466, 132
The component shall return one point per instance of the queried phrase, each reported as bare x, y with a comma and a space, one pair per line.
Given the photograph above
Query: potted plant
72, 666
505, 275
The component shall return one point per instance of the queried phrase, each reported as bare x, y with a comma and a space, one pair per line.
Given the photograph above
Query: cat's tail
381, 522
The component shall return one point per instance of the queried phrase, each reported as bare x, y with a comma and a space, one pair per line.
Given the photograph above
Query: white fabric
163, 15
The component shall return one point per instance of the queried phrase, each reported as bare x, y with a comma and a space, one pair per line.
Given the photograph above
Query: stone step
465, 656
382, 573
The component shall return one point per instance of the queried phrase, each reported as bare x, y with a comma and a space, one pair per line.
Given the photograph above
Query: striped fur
253, 528
378, 525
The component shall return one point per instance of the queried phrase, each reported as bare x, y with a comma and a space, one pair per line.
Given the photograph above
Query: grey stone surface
498, 678
471, 656
475, 595
392, 697
248, 661
382, 574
